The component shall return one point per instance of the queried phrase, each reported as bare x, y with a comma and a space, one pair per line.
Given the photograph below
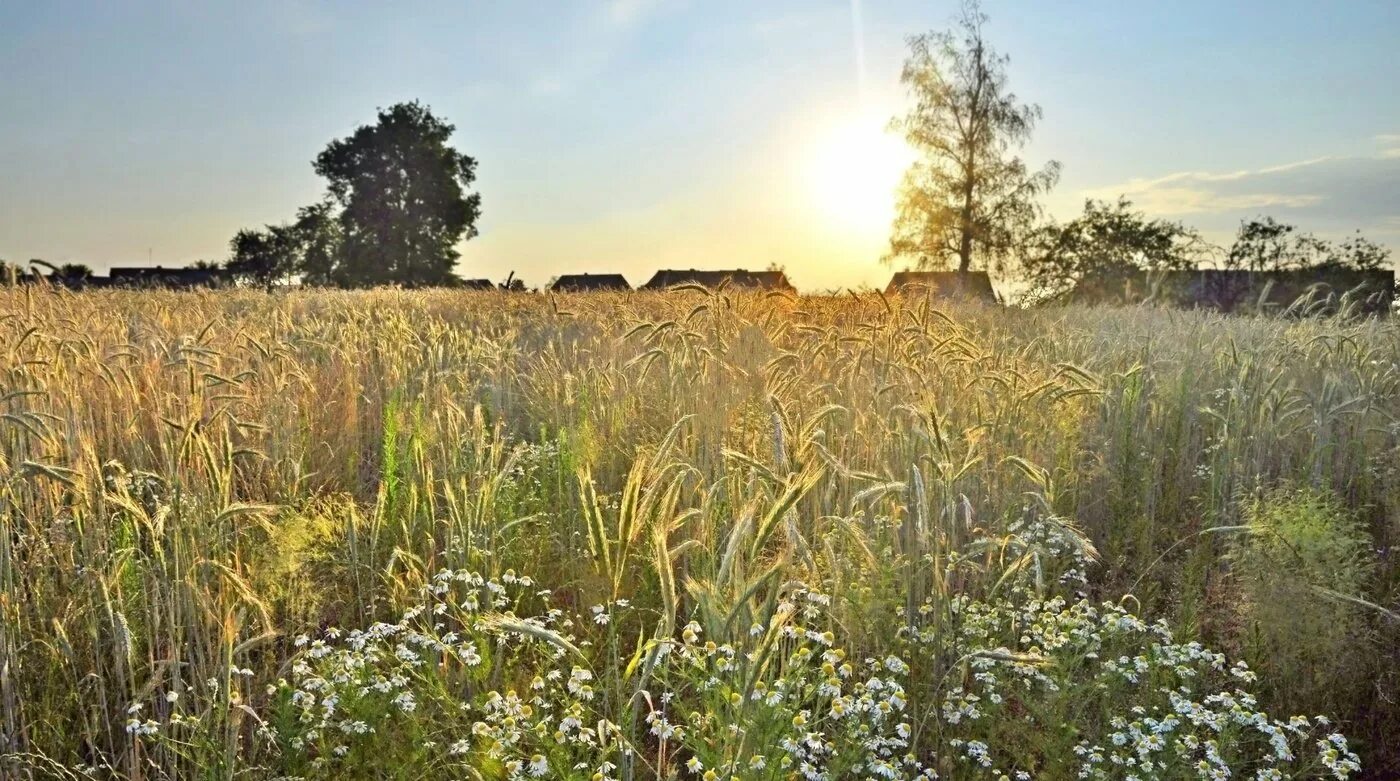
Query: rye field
694, 535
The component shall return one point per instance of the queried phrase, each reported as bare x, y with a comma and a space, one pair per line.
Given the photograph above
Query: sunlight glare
853, 170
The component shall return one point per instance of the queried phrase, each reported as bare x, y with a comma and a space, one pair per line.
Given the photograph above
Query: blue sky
634, 134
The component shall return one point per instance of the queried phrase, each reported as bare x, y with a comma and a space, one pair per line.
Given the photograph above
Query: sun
852, 170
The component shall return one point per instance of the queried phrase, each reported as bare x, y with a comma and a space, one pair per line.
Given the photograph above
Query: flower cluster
783, 701
484, 677
1118, 693
480, 674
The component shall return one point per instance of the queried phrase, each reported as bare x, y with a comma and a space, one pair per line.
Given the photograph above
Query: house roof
1229, 290
768, 280
590, 282
477, 284
970, 285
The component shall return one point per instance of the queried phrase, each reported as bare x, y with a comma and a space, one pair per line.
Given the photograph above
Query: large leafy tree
969, 199
404, 199
1106, 242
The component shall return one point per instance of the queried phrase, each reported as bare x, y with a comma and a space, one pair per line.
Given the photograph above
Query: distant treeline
1110, 242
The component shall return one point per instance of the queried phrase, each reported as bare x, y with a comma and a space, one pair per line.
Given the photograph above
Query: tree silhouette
1358, 253
318, 237
73, 272
1264, 244
404, 202
1107, 240
264, 257
968, 198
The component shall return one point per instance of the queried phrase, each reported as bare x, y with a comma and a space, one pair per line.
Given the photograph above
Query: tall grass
192, 480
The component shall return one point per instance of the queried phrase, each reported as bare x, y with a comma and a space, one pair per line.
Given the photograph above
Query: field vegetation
710, 535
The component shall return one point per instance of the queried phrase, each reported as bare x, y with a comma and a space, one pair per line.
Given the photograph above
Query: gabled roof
579, 282
969, 285
767, 280
477, 284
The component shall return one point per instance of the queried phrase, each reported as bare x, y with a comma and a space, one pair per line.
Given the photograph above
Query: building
578, 283
1240, 290
476, 284
738, 278
962, 285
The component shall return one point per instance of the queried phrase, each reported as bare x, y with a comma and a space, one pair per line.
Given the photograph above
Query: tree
1108, 240
1359, 254
264, 257
969, 198
1264, 244
1261, 244
73, 272
207, 265
318, 237
404, 199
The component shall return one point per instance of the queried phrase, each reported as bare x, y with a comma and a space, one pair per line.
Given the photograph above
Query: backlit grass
643, 535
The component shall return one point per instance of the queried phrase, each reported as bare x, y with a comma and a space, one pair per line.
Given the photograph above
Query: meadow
708, 535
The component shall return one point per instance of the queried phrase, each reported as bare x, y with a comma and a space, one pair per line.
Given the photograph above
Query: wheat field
711, 535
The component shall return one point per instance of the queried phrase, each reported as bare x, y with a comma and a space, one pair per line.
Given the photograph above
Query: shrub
1302, 557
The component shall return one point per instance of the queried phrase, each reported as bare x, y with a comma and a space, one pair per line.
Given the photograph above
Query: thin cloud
546, 86
1278, 169
1329, 195
1174, 201
1196, 180
1389, 144
624, 12
1295, 185
1196, 192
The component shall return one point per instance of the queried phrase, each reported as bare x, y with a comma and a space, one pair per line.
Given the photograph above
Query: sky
631, 135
